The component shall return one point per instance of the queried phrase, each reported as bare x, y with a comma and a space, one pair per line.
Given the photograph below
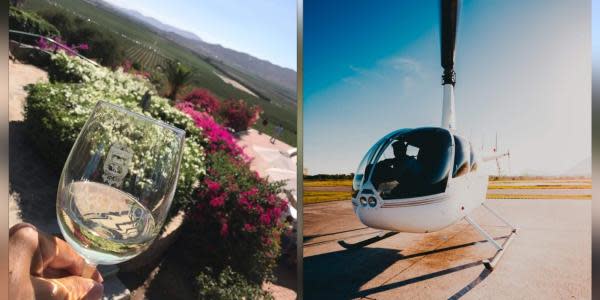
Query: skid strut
382, 235
491, 263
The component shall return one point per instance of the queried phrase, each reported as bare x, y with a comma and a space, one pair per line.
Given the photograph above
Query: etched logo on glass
117, 163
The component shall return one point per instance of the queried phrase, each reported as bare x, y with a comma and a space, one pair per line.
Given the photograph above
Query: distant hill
244, 62
281, 76
582, 168
156, 23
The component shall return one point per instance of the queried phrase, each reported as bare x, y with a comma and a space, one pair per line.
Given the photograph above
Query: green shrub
103, 46
64, 22
227, 285
55, 113
29, 22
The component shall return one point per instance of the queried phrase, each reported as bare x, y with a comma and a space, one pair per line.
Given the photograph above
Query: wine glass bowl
118, 183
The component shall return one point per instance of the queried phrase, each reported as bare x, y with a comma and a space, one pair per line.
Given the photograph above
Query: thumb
72, 287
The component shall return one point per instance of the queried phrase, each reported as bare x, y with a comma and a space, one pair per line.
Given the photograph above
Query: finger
36, 251
19, 226
57, 254
72, 287
55, 273
23, 244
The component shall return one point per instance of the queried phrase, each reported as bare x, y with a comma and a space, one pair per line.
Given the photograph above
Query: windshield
412, 163
360, 171
462, 156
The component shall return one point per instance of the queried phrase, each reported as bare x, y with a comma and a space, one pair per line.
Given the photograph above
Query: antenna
448, 24
482, 142
496, 145
498, 155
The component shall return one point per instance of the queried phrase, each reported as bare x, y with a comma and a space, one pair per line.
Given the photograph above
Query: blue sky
523, 71
264, 28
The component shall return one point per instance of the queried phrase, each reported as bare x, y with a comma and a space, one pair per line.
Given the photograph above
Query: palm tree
177, 76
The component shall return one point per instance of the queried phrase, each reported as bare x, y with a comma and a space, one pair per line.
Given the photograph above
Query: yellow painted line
541, 187
543, 180
525, 196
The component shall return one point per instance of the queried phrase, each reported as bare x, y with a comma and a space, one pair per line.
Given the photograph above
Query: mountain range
281, 76
583, 168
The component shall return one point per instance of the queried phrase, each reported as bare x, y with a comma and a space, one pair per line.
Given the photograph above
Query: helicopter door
413, 163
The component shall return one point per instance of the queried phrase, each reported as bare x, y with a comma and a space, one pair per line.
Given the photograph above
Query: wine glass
117, 184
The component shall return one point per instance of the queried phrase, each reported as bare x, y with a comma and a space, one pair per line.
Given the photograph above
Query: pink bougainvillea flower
265, 219
213, 186
203, 100
284, 205
251, 192
219, 137
243, 201
276, 213
42, 43
266, 241
217, 201
126, 65
224, 229
238, 114
249, 227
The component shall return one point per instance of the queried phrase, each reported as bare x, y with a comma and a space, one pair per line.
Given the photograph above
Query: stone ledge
115, 290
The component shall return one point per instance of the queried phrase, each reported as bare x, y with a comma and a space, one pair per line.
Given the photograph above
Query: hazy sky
523, 71
264, 28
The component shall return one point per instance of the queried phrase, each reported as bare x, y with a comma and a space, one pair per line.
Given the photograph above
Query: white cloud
402, 69
405, 64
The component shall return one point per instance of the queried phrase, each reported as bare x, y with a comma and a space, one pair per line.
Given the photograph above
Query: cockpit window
462, 157
412, 163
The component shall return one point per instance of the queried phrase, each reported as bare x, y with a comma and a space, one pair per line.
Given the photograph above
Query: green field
318, 195
327, 183
322, 196
149, 59
151, 50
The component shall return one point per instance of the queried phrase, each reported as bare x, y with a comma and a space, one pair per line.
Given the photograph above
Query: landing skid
491, 263
377, 238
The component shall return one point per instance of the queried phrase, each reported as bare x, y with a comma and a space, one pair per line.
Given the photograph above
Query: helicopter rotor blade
448, 25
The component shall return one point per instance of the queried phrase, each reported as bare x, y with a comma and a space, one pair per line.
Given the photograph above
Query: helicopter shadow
341, 274
308, 238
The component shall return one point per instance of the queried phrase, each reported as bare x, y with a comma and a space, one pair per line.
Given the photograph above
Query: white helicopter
425, 179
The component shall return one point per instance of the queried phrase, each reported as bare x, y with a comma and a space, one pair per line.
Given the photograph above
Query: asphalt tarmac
550, 257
